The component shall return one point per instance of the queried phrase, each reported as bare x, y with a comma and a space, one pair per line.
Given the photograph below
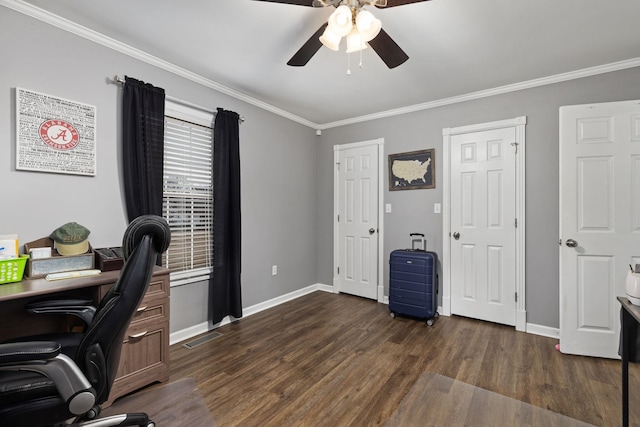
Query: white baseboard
326, 288
544, 331
248, 311
192, 331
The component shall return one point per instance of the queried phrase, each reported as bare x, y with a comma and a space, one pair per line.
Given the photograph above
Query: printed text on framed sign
54, 134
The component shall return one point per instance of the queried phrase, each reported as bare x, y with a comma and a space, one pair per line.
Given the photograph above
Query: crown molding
557, 78
94, 36
72, 27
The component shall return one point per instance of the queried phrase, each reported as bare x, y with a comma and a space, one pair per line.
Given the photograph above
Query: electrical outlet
274, 270
387, 208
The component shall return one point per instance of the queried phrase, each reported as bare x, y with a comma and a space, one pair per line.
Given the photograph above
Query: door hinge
516, 222
516, 297
338, 217
338, 271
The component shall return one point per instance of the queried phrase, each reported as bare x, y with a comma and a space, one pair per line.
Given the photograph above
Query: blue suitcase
413, 284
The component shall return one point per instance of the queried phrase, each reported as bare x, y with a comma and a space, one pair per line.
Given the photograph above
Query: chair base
134, 419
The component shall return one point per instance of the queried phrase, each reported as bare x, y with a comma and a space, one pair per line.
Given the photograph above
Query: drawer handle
142, 309
140, 335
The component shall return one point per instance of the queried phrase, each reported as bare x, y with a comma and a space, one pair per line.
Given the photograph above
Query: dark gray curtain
225, 281
142, 147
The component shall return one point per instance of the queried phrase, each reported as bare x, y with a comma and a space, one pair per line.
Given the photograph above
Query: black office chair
55, 379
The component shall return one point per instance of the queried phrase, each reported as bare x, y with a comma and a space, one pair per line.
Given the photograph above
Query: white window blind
188, 197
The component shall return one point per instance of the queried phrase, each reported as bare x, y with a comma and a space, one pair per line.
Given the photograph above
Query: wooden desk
145, 352
37, 287
630, 316
16, 322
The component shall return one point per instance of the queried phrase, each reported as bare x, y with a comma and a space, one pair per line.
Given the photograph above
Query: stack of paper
8, 246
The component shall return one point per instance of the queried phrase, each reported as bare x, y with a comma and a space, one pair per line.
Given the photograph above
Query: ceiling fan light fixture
341, 21
330, 39
368, 25
355, 41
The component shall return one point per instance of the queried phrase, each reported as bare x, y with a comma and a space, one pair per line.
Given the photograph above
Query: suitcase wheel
431, 321
392, 314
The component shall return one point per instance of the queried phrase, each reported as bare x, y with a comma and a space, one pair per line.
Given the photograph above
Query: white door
357, 188
483, 225
599, 221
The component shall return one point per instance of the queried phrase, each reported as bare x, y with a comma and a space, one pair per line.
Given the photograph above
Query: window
188, 192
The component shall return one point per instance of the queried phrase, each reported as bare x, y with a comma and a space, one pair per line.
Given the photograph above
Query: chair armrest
28, 351
74, 307
45, 358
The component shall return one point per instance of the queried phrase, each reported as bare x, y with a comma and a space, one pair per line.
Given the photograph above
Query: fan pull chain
349, 63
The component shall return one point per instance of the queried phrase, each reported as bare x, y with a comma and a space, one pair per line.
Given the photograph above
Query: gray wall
413, 210
278, 164
287, 171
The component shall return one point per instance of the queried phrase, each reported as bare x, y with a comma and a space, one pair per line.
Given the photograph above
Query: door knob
372, 230
456, 235
571, 243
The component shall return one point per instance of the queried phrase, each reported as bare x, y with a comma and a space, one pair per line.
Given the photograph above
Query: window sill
182, 278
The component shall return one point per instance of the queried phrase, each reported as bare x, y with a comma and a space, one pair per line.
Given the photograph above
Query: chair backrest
98, 354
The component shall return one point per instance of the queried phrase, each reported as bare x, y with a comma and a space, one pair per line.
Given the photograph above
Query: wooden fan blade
388, 50
394, 3
296, 2
304, 54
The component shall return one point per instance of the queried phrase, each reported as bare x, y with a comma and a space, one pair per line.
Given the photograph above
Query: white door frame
336, 225
519, 123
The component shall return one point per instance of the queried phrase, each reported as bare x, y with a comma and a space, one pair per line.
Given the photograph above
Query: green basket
11, 270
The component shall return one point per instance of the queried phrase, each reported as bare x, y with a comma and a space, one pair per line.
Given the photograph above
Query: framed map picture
54, 134
413, 170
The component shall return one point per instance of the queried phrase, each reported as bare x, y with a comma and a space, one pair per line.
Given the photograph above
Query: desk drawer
156, 310
158, 288
144, 358
145, 346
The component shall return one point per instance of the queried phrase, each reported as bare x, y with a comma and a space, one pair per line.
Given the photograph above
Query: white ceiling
455, 48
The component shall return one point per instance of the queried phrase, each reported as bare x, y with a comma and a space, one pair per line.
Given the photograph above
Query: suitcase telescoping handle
422, 242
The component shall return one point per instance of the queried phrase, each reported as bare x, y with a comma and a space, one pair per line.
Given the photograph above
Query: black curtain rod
121, 80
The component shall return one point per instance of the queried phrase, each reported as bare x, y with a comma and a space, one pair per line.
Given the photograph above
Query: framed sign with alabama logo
54, 134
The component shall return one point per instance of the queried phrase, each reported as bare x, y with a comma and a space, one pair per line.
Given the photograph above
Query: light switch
274, 270
436, 208
387, 208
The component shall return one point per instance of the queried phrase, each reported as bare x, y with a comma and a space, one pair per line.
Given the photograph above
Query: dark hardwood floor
338, 360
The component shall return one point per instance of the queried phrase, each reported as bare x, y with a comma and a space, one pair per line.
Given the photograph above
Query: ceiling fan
387, 49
